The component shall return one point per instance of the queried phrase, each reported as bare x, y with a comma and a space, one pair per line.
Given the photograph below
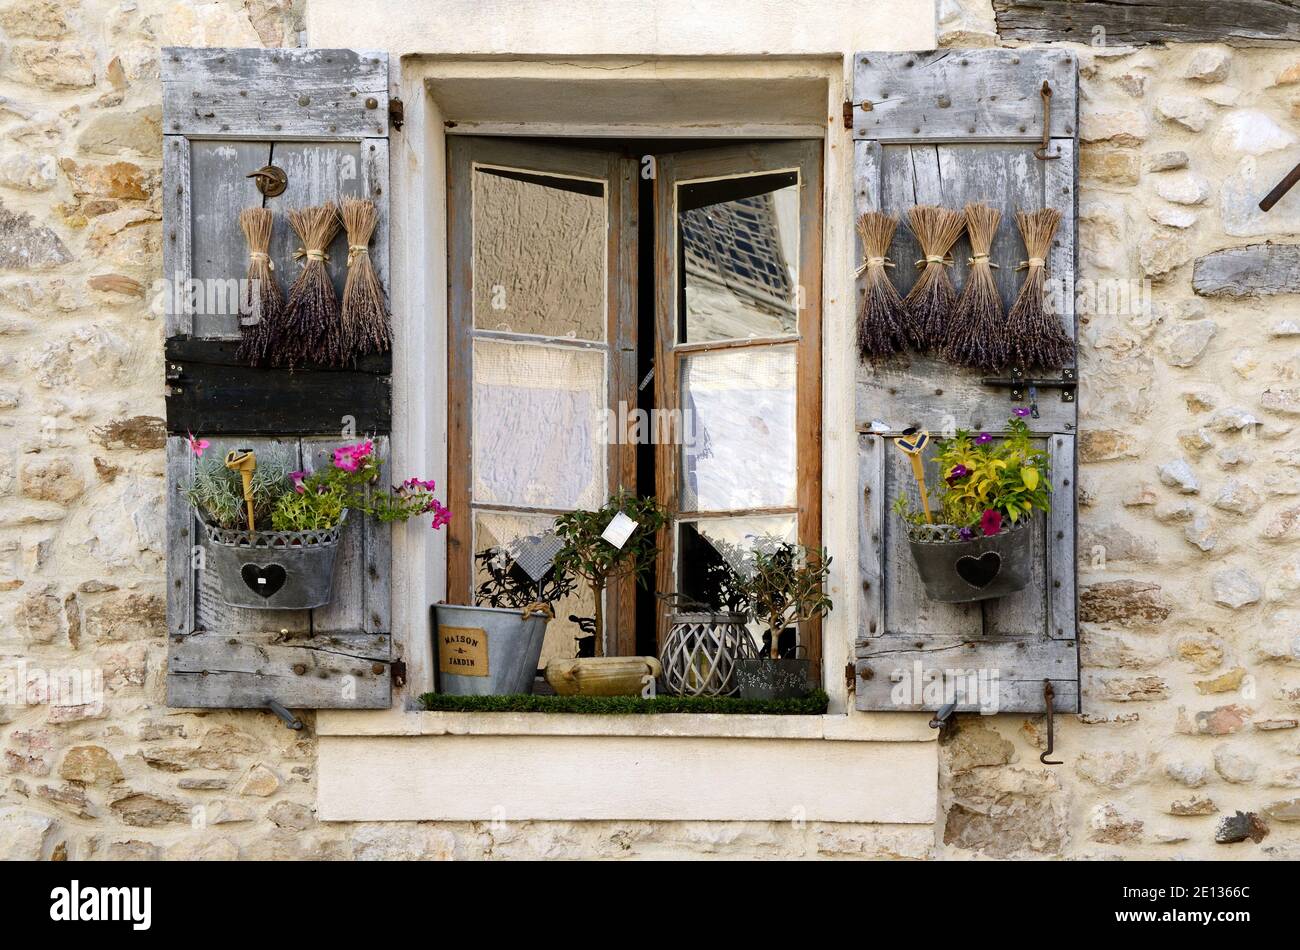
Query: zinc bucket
488, 651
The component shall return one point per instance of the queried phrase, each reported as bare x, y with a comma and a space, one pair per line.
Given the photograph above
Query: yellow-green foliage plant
988, 483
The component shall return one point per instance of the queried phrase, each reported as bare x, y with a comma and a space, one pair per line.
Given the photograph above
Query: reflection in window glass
739, 254
538, 422
539, 254
739, 409
504, 537
712, 552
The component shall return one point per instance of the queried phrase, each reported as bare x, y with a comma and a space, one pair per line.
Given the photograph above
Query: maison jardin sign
463, 651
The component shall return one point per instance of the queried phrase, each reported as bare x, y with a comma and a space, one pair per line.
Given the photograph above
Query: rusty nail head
299, 669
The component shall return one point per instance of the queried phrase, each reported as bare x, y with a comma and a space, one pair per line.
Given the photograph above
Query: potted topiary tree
785, 584
618, 540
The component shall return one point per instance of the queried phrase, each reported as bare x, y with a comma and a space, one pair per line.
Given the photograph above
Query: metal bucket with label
488, 651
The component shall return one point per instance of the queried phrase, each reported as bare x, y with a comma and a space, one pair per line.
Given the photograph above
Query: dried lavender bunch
880, 321
364, 323
931, 301
1038, 339
312, 314
978, 335
263, 303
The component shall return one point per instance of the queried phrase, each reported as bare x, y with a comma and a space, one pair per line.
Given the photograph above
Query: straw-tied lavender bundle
880, 321
1036, 335
978, 335
931, 301
263, 303
311, 328
365, 316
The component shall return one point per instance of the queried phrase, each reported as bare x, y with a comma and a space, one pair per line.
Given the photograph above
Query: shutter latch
848, 113
398, 670
396, 112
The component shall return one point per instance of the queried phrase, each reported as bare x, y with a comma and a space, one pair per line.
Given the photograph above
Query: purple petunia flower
958, 472
983, 439
966, 534
1022, 411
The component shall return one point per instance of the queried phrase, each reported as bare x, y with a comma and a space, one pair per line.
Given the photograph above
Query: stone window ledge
855, 727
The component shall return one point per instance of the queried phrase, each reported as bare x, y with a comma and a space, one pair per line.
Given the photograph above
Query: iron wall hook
1048, 694
1041, 152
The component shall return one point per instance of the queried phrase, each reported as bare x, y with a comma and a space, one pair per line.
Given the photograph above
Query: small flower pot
488, 651
956, 571
273, 570
765, 678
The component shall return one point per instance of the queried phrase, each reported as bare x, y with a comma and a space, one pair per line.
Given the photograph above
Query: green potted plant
589, 553
784, 584
271, 535
972, 540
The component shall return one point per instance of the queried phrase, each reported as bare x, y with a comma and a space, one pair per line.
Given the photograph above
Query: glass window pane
739, 256
539, 254
712, 551
538, 426
739, 411
500, 537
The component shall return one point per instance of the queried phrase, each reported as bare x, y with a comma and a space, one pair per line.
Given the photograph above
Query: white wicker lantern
700, 653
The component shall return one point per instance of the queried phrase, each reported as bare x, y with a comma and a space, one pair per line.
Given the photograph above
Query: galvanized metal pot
488, 651
699, 654
765, 678
273, 570
956, 571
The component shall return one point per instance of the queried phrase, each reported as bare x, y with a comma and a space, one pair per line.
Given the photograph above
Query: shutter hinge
848, 113
850, 677
398, 669
396, 112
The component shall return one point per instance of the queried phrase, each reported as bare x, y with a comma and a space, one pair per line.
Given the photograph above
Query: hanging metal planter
956, 571
273, 570
700, 653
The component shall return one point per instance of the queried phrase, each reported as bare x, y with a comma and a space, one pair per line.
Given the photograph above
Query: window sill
853, 727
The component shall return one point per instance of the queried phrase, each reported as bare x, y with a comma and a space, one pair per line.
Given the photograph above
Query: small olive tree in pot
587, 554
785, 585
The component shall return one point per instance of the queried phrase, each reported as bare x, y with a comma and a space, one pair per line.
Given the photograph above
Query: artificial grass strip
814, 704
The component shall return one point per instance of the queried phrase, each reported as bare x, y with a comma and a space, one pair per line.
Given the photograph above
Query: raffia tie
982, 259
934, 259
262, 256
539, 609
1032, 262
872, 262
312, 254
356, 249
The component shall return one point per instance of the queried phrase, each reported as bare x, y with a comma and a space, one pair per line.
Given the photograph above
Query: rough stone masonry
1190, 494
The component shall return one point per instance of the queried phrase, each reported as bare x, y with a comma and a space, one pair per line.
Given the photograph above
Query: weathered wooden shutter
322, 116
948, 127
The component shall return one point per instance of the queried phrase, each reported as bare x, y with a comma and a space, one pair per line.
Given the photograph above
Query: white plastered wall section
671, 68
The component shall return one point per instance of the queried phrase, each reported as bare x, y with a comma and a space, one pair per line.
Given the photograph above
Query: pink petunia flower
198, 445
991, 522
298, 478
345, 459
441, 514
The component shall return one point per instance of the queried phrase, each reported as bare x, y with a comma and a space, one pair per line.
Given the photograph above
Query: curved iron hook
1041, 152
1048, 694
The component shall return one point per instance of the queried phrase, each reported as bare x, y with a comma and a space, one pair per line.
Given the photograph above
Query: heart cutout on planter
979, 571
263, 581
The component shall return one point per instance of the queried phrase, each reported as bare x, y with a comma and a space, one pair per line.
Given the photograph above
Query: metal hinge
398, 669
850, 677
848, 113
396, 112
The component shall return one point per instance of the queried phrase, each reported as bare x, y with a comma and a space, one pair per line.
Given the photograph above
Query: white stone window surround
376, 765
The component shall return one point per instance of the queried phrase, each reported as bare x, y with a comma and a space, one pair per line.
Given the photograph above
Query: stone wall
1189, 546
1190, 492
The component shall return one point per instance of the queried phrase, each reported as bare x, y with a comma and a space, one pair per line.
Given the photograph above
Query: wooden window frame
805, 157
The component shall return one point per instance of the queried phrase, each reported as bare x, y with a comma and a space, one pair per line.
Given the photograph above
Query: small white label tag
619, 530
261, 580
